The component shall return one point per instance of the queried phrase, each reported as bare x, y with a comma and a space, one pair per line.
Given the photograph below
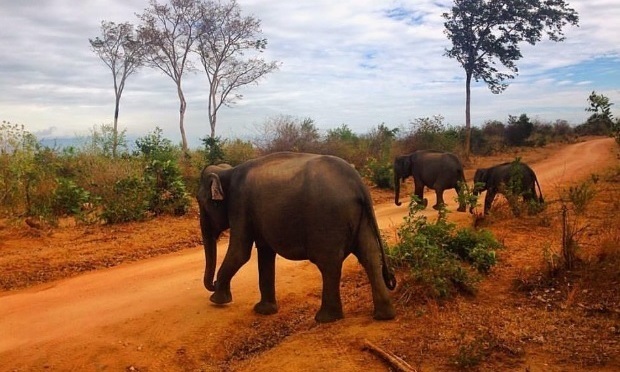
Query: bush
131, 202
380, 173
163, 174
69, 198
433, 254
518, 130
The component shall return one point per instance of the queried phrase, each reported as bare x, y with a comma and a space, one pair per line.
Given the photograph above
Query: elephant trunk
211, 260
397, 189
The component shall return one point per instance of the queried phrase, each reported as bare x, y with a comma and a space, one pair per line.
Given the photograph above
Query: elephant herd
317, 208
440, 171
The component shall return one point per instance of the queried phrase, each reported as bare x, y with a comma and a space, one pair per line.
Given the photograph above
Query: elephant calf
515, 176
302, 207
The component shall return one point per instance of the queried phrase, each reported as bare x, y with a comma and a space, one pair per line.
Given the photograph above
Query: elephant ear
216, 187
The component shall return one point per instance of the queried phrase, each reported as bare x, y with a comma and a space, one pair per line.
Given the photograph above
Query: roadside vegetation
108, 180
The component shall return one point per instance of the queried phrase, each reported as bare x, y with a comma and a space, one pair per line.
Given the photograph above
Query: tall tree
224, 40
170, 31
121, 50
485, 32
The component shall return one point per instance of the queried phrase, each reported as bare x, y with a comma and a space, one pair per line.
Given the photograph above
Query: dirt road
155, 314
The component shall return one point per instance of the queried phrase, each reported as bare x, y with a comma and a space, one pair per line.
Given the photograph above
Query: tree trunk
115, 134
212, 107
182, 107
467, 116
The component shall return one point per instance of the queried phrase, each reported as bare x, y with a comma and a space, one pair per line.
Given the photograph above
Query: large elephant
517, 176
302, 207
437, 170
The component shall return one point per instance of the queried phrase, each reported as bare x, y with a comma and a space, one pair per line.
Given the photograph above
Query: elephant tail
540, 198
388, 275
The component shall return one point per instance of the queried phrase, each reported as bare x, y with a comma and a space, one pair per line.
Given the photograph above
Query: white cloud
358, 62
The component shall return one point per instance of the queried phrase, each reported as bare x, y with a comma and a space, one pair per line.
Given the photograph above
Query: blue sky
354, 62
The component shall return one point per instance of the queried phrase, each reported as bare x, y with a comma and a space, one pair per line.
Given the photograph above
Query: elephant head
213, 214
480, 180
402, 170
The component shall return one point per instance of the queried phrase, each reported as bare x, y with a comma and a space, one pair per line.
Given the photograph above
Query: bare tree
224, 39
484, 32
170, 31
120, 49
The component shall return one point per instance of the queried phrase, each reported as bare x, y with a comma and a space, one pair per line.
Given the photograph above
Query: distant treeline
152, 176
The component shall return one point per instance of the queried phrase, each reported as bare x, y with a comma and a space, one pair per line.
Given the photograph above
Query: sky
355, 62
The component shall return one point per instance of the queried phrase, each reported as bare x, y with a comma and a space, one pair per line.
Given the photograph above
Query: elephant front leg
266, 281
488, 200
331, 304
419, 192
237, 255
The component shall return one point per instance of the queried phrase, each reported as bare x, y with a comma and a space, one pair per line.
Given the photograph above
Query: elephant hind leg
266, 281
369, 257
440, 203
331, 303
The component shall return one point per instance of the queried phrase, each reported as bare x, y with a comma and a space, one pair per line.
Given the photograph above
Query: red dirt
153, 314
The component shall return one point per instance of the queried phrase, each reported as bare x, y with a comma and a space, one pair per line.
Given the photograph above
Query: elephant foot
221, 296
425, 202
462, 208
437, 206
325, 316
266, 308
385, 313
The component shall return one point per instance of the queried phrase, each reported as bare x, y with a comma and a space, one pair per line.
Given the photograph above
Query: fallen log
389, 357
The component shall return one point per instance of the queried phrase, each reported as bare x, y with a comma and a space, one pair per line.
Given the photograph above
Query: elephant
495, 179
301, 207
437, 170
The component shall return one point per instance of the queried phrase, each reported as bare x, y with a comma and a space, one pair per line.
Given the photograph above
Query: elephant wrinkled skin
302, 207
437, 170
493, 180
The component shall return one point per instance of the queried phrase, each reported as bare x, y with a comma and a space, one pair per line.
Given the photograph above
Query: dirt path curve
153, 313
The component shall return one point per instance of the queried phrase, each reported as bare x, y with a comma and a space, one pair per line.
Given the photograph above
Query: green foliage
69, 198
131, 202
286, 133
507, 24
214, 153
101, 141
466, 195
434, 253
154, 146
238, 151
518, 130
432, 133
380, 173
20, 174
601, 121
163, 175
579, 195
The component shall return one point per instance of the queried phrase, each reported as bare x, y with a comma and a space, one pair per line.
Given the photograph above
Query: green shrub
434, 252
168, 194
131, 202
380, 173
580, 195
163, 175
69, 198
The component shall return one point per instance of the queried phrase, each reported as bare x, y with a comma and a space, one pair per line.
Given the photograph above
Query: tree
120, 49
170, 31
224, 38
485, 32
601, 120
518, 130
